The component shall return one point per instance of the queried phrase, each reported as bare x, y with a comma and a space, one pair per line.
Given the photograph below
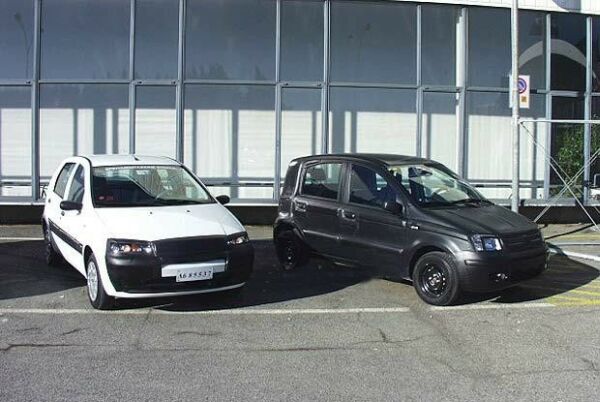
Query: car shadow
562, 276
268, 284
24, 273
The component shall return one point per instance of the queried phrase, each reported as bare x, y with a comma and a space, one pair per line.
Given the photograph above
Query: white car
141, 226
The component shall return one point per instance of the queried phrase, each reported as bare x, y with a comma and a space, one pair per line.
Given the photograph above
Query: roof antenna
135, 158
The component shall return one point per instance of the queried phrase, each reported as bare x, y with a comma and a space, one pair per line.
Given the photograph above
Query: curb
557, 250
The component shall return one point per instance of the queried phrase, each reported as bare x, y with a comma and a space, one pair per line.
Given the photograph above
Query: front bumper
142, 276
491, 271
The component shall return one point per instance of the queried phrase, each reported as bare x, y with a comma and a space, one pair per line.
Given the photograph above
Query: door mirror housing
70, 206
393, 207
596, 181
223, 199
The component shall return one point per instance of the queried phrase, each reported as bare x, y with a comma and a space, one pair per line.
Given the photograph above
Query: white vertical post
515, 104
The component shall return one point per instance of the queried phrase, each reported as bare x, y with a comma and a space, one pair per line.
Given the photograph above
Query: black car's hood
485, 219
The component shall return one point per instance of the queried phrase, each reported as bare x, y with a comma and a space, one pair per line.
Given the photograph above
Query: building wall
583, 6
237, 88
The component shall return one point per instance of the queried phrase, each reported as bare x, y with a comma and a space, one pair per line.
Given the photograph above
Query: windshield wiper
477, 201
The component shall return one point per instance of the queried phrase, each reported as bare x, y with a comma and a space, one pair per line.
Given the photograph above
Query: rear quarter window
322, 180
290, 180
63, 177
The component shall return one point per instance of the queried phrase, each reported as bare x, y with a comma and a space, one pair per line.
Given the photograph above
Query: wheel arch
87, 252
420, 252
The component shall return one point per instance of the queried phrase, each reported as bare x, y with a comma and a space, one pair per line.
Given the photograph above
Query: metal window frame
461, 88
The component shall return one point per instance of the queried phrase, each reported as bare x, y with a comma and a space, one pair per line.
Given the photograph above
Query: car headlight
240, 238
130, 247
486, 243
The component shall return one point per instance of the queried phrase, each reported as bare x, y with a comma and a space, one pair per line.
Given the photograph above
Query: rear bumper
141, 276
486, 272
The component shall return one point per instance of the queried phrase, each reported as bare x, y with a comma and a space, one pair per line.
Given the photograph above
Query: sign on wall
524, 92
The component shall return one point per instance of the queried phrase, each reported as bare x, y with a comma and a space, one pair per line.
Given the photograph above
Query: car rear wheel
435, 279
52, 257
99, 299
291, 251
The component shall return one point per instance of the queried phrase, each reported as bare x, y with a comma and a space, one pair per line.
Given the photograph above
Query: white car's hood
168, 222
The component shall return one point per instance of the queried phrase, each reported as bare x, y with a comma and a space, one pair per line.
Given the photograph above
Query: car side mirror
393, 207
223, 199
597, 180
70, 206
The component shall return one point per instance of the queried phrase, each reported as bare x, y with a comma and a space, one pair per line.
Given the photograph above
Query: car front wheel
98, 297
435, 279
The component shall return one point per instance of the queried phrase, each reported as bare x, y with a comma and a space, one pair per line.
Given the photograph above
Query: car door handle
62, 213
348, 215
300, 206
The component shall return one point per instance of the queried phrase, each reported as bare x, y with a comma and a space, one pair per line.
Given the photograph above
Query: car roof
128, 160
386, 159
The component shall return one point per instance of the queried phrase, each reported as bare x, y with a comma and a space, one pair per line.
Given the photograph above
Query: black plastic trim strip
64, 236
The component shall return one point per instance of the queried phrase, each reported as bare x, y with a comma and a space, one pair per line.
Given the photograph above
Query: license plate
194, 274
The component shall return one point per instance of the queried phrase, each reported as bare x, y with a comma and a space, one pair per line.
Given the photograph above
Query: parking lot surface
322, 332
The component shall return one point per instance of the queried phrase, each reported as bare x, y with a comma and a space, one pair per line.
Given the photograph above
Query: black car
408, 217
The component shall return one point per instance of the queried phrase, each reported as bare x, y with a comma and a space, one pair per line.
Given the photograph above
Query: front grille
191, 249
523, 241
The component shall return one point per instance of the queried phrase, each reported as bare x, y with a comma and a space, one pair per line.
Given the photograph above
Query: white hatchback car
140, 226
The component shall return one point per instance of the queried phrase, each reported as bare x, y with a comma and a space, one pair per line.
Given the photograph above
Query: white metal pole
515, 104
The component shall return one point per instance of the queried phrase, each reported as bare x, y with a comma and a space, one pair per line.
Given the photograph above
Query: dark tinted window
322, 180
568, 52
77, 186
369, 188
63, 178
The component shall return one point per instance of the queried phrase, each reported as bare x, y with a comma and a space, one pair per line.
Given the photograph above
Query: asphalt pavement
323, 332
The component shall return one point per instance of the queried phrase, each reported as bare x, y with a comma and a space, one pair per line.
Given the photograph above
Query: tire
52, 257
435, 279
291, 251
98, 297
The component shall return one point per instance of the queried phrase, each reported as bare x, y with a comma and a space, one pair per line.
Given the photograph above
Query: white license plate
194, 274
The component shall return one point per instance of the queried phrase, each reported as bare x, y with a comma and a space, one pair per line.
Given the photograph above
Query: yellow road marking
577, 291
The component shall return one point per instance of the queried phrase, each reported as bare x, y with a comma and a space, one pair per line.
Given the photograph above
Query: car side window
77, 186
367, 187
63, 179
322, 180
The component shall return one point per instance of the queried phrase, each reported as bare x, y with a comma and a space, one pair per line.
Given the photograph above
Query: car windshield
435, 185
135, 186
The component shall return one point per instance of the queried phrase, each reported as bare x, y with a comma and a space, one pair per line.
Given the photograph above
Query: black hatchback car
406, 217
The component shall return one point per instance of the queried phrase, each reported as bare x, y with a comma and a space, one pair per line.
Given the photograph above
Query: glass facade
237, 88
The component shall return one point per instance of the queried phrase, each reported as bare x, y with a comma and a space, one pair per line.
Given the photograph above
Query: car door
370, 234
73, 223
53, 213
316, 205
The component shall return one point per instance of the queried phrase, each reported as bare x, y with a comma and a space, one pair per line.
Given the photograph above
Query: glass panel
300, 124
596, 54
439, 128
15, 141
75, 193
155, 121
568, 52
86, 39
16, 39
156, 38
369, 188
595, 153
230, 135
63, 178
373, 120
567, 143
489, 140
231, 39
373, 42
489, 47
80, 119
438, 51
532, 47
302, 40
322, 181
